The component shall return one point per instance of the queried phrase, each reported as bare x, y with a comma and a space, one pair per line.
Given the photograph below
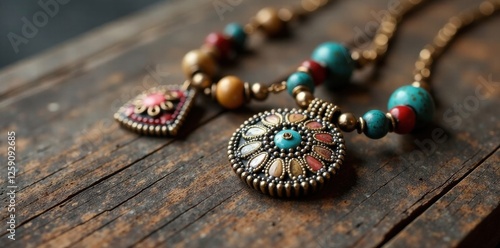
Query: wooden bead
259, 92
269, 20
195, 61
230, 92
347, 122
304, 98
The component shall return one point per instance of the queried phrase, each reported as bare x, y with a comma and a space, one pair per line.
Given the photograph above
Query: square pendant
157, 111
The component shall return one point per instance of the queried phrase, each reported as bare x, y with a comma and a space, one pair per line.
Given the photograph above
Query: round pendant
286, 153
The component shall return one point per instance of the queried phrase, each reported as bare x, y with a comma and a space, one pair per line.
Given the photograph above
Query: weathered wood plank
456, 218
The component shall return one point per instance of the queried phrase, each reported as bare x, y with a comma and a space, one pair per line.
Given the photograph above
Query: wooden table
83, 181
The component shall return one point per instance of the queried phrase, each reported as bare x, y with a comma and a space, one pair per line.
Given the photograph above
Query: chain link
277, 87
388, 26
444, 37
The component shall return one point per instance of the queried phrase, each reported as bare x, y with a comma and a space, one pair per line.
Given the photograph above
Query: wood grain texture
85, 182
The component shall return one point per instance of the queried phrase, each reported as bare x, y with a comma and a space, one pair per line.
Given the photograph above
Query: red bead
405, 117
221, 42
318, 72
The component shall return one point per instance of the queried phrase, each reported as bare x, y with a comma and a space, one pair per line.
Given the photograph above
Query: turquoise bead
377, 124
237, 33
299, 78
287, 139
418, 99
337, 59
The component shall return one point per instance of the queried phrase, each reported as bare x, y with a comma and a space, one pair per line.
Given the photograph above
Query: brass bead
286, 14
358, 58
392, 122
230, 92
347, 122
304, 69
304, 98
201, 81
259, 92
268, 19
248, 92
195, 61
360, 125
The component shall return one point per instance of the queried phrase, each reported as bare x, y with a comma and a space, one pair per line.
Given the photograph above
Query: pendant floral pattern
158, 111
285, 152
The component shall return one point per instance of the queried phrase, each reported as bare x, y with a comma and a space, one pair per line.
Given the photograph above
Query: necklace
162, 110
290, 153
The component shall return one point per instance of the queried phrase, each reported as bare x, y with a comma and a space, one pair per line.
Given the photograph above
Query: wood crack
400, 225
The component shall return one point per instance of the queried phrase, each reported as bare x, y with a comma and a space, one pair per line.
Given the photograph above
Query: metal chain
305, 8
444, 37
288, 14
377, 47
388, 26
277, 87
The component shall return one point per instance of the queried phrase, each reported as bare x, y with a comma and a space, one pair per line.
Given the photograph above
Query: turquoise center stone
287, 139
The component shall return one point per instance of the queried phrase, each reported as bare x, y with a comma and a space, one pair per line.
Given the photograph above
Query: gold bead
360, 125
304, 98
359, 59
286, 14
195, 61
230, 92
201, 81
392, 122
259, 92
248, 92
347, 122
269, 20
